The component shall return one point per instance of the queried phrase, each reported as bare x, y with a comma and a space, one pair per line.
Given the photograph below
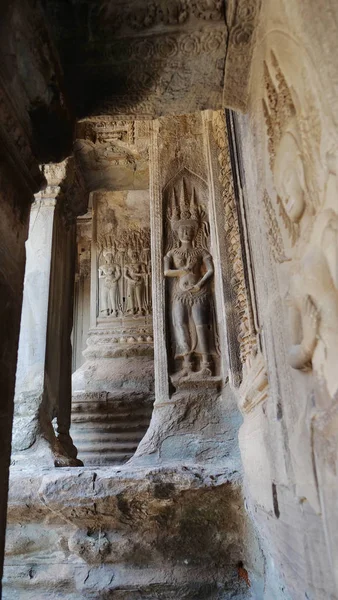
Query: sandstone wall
288, 393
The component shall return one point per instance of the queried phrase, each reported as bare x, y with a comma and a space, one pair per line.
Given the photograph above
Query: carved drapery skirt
192, 322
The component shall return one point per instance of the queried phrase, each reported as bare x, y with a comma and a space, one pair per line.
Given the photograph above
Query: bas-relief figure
189, 263
312, 225
125, 276
135, 274
110, 273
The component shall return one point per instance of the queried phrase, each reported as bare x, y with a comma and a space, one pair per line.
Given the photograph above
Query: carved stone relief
245, 328
291, 149
124, 273
113, 153
137, 18
241, 17
122, 247
145, 59
188, 267
306, 212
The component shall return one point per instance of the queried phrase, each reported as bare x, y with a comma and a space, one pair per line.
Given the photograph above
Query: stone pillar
113, 390
191, 368
43, 385
15, 200
20, 178
82, 289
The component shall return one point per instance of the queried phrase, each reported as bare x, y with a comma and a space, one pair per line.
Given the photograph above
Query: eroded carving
290, 151
189, 263
307, 210
313, 302
125, 274
273, 231
161, 12
110, 272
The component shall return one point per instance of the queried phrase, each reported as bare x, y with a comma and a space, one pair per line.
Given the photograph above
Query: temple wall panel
288, 156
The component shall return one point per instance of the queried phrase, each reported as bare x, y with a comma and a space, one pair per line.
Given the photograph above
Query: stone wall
288, 147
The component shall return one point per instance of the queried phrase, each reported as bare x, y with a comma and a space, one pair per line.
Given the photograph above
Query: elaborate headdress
278, 106
185, 210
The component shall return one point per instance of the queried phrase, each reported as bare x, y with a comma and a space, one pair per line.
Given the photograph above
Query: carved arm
117, 274
168, 272
300, 355
209, 273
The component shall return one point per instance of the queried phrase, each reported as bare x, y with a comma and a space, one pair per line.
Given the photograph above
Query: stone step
101, 416
112, 409
124, 436
92, 459
100, 445
119, 404
107, 428
129, 427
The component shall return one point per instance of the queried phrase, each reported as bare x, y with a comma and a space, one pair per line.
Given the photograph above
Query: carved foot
62, 459
67, 444
186, 370
204, 373
205, 370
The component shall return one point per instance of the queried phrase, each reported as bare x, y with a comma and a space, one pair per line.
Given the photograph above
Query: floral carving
244, 323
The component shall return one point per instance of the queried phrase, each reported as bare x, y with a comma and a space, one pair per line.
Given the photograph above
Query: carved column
113, 389
189, 309
44, 360
20, 178
15, 202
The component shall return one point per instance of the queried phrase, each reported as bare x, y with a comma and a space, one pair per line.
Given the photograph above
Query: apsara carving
188, 265
124, 273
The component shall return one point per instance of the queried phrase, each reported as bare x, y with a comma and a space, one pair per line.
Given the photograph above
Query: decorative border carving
159, 12
167, 46
245, 329
242, 18
274, 234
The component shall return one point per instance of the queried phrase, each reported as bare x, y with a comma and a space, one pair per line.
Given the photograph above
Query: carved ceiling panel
148, 59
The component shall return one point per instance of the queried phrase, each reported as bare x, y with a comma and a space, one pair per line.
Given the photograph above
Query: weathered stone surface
150, 59
194, 426
171, 524
175, 532
113, 389
107, 427
13, 234
288, 394
43, 385
113, 154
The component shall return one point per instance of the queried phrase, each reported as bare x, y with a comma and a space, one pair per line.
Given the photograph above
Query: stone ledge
176, 532
36, 494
